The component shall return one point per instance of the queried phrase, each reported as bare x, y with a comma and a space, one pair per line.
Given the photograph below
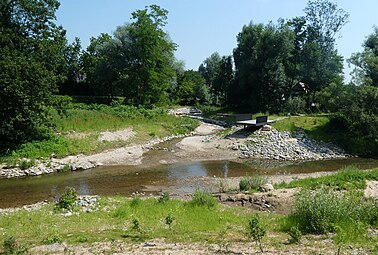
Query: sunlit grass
113, 221
78, 131
350, 178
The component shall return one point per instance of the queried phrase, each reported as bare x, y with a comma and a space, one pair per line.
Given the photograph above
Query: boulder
267, 187
266, 128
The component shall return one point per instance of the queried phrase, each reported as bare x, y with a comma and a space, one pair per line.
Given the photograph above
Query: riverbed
179, 179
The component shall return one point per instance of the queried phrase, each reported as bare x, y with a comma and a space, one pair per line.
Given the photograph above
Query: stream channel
177, 178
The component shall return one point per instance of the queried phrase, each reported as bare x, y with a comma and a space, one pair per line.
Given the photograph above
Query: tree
191, 89
30, 53
137, 62
100, 74
260, 66
223, 81
151, 57
218, 74
210, 68
72, 70
366, 62
319, 62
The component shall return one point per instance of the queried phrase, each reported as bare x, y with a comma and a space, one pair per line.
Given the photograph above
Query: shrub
164, 197
295, 105
135, 201
169, 220
251, 182
256, 231
295, 235
53, 239
67, 199
136, 225
25, 164
10, 246
203, 198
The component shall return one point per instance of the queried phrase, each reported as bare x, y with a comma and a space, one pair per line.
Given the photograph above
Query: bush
295, 235
169, 220
135, 201
53, 239
323, 211
203, 198
256, 231
67, 199
251, 182
10, 246
25, 164
164, 197
359, 116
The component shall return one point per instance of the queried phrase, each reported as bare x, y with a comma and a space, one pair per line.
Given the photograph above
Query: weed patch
203, 198
251, 183
67, 200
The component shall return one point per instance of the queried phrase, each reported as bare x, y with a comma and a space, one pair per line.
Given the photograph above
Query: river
125, 180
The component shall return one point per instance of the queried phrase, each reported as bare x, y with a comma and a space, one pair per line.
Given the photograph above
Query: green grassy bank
78, 129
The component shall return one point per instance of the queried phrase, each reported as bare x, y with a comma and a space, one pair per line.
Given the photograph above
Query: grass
115, 220
350, 178
78, 131
321, 127
314, 126
335, 204
251, 183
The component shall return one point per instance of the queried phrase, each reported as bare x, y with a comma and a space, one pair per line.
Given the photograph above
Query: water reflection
128, 179
195, 169
84, 187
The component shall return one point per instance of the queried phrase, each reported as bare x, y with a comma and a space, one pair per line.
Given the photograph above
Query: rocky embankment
285, 145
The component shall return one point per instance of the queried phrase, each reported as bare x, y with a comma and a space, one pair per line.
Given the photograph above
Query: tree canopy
137, 62
366, 62
30, 53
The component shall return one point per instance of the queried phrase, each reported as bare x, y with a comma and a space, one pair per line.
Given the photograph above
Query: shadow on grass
135, 237
334, 132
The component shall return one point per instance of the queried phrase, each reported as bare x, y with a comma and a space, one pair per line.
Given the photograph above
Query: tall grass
203, 198
252, 183
323, 211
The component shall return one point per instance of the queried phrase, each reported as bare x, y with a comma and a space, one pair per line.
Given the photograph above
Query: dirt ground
314, 245
189, 149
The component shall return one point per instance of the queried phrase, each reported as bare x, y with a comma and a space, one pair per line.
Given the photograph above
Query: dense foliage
275, 66
30, 54
366, 62
136, 62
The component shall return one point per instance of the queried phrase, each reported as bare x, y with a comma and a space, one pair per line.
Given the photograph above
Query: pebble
287, 146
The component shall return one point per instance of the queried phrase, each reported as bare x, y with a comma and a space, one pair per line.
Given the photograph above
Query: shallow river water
128, 179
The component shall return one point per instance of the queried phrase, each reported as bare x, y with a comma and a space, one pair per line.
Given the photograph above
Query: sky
202, 27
